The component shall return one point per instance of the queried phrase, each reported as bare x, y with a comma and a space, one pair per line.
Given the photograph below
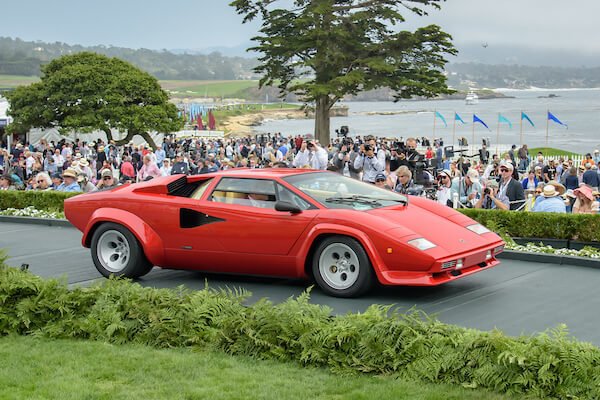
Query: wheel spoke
339, 266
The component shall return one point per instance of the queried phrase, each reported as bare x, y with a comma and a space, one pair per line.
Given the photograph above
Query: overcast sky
196, 24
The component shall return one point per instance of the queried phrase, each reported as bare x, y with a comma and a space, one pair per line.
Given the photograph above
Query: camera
343, 131
487, 191
368, 147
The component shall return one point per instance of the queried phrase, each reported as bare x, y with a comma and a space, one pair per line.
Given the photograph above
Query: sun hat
585, 190
70, 172
83, 162
507, 164
549, 191
570, 193
558, 186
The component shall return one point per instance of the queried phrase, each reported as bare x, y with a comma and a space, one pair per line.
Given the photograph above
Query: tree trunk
148, 140
322, 120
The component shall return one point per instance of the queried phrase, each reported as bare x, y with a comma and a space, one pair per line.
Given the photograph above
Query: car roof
264, 173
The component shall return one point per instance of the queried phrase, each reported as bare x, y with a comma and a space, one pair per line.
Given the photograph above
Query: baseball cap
380, 177
107, 172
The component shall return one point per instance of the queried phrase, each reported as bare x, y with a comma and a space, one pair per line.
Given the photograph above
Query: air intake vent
449, 264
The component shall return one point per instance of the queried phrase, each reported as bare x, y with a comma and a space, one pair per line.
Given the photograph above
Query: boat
471, 98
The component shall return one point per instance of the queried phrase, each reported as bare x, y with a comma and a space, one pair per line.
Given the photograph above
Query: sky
199, 24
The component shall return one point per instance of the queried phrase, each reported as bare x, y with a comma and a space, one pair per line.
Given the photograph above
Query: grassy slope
48, 369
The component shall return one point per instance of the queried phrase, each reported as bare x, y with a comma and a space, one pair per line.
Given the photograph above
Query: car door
253, 226
186, 231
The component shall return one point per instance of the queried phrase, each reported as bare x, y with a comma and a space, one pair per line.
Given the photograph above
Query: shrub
43, 201
381, 341
539, 225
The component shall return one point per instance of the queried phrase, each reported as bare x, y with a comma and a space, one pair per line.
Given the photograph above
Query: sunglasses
443, 177
39, 181
503, 169
107, 178
380, 180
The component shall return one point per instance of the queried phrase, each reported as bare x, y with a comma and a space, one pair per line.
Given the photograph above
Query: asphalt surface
516, 297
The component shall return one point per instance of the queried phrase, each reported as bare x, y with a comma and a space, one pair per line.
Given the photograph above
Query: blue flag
525, 116
503, 119
553, 118
458, 118
476, 119
440, 116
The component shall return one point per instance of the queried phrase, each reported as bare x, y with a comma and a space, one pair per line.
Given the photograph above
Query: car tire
341, 267
117, 252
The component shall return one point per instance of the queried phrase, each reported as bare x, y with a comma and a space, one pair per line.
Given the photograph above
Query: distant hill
18, 57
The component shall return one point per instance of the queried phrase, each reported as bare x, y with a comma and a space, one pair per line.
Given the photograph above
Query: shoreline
242, 125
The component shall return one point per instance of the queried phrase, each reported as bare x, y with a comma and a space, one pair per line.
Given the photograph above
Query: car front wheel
116, 251
341, 267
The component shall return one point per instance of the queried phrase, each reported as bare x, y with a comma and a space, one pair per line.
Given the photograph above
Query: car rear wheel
341, 267
116, 251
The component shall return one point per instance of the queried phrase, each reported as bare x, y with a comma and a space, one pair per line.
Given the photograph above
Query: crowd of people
515, 181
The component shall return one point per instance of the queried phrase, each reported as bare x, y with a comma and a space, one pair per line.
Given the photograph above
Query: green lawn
550, 151
64, 369
207, 88
12, 81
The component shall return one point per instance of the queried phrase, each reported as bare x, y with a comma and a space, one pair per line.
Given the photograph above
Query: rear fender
333, 229
148, 238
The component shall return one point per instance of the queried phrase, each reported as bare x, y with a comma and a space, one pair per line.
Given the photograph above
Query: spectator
510, 187
6, 182
380, 181
444, 189
584, 200
552, 202
43, 182
590, 177
69, 182
491, 199
531, 182
84, 183
107, 180
148, 169
468, 188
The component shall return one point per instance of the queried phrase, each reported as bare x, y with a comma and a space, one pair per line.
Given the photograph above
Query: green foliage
379, 341
47, 201
539, 225
344, 47
87, 92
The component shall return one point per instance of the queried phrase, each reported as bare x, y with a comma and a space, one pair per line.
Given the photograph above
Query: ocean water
579, 109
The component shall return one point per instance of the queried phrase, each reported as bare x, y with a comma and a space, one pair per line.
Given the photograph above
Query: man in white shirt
311, 154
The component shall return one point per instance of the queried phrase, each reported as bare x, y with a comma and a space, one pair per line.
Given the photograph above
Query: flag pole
453, 130
521, 129
433, 138
498, 133
473, 135
547, 126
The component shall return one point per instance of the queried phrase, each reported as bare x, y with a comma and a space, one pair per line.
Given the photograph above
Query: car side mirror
286, 206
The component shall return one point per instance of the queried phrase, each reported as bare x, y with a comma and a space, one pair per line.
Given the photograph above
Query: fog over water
579, 109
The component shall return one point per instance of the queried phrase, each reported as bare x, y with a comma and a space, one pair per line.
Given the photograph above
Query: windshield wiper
354, 199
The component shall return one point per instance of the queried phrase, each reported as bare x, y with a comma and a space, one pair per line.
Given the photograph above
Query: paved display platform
517, 297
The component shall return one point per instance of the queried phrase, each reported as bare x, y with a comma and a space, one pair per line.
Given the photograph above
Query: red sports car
281, 222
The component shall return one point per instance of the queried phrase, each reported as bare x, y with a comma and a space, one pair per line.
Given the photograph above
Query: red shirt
127, 169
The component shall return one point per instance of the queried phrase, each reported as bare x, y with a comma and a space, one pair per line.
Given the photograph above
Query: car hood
447, 230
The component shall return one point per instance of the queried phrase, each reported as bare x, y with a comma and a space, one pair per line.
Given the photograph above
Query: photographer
371, 165
344, 160
468, 187
311, 155
491, 199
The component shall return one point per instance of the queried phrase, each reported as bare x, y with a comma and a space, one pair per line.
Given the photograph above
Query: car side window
258, 193
285, 194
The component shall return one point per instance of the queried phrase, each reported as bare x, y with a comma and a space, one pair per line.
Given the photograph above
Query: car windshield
337, 191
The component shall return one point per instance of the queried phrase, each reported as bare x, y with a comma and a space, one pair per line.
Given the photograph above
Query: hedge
582, 227
516, 224
44, 201
379, 341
